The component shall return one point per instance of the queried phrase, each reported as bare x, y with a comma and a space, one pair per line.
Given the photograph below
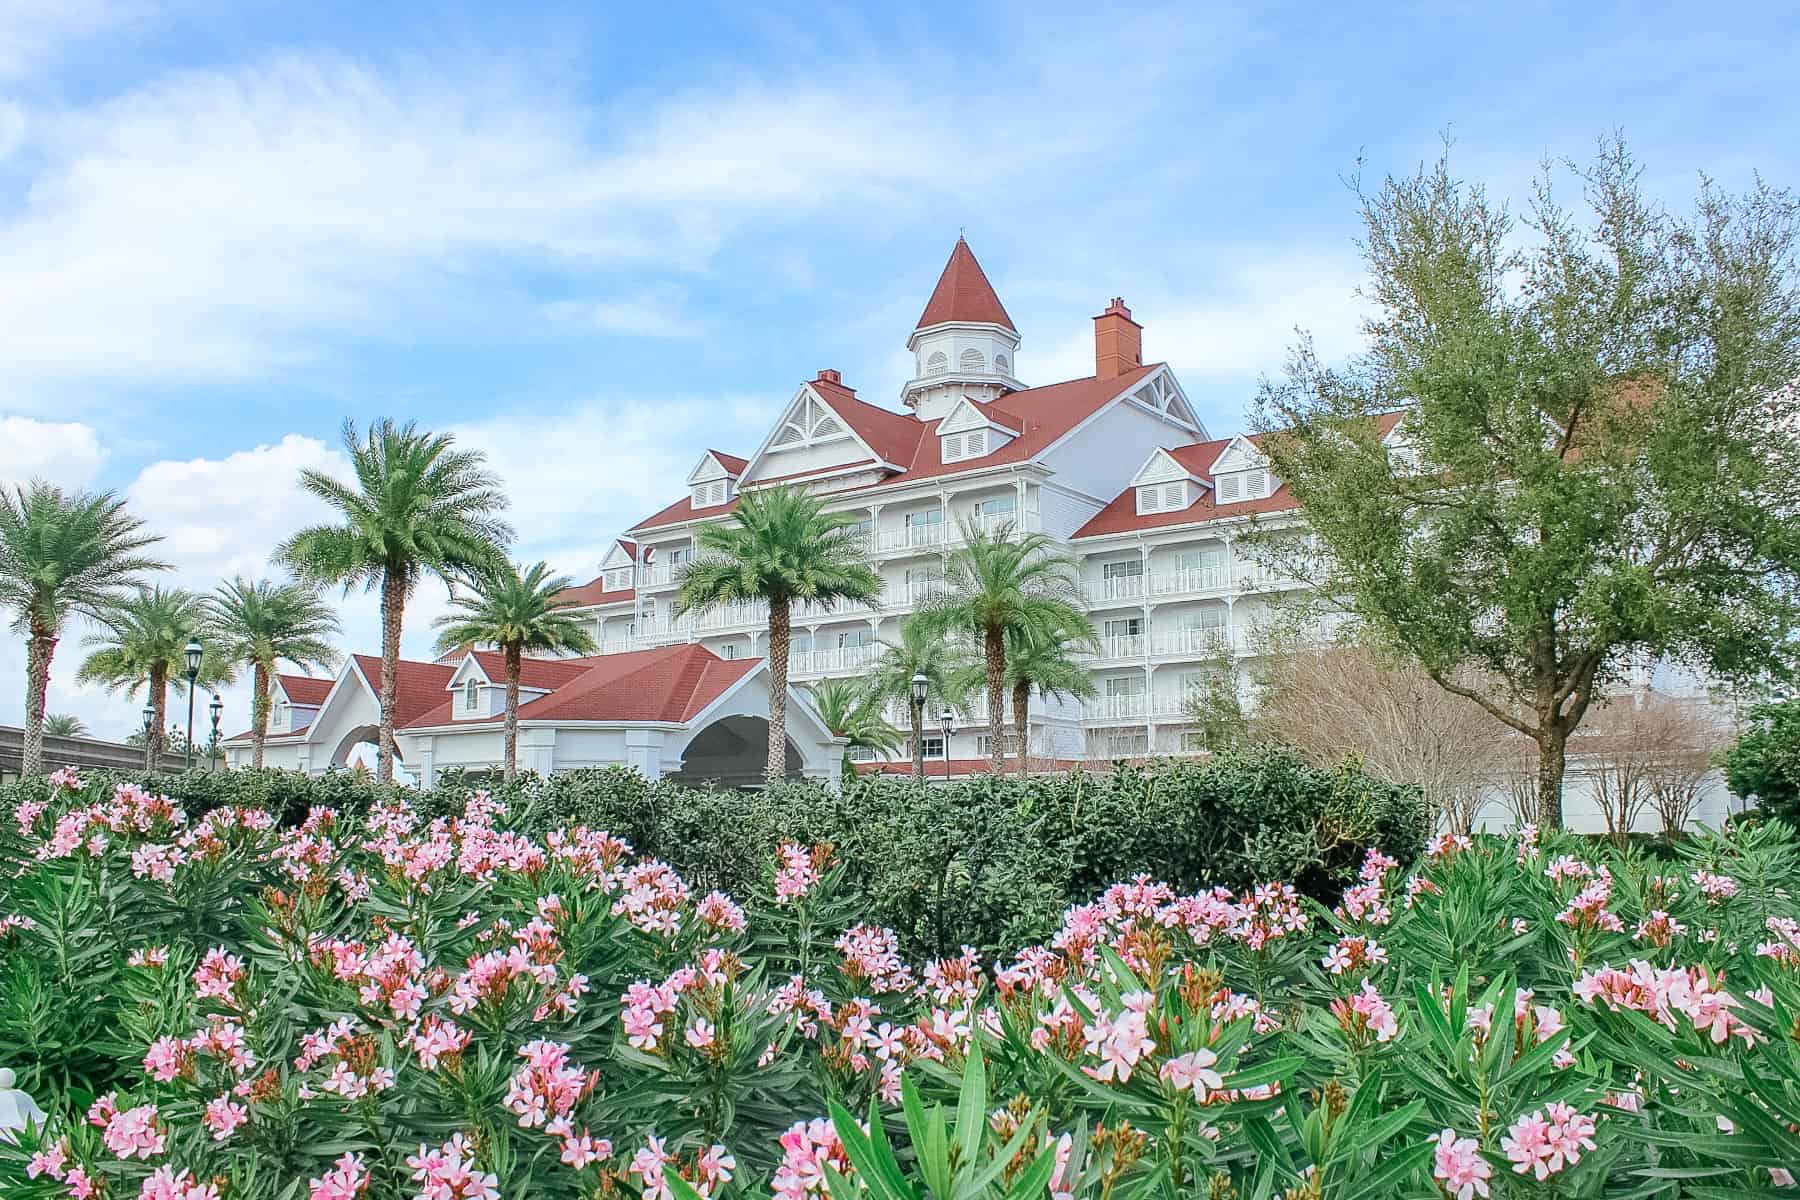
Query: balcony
1196, 581
1126, 648
1119, 588
835, 660
1206, 642
1116, 708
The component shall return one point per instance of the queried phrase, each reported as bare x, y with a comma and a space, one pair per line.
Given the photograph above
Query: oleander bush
393, 1004
990, 862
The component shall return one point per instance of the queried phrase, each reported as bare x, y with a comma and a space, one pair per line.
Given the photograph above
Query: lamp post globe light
217, 709
947, 722
149, 717
920, 686
194, 651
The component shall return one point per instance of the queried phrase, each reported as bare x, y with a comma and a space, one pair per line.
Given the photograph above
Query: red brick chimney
1118, 341
827, 375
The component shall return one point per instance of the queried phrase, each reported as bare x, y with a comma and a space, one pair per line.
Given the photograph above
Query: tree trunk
259, 713
995, 645
1552, 742
917, 709
393, 611
1021, 698
781, 637
159, 698
512, 712
39, 649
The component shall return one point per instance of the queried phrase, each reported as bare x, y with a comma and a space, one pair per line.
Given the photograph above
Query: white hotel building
1115, 467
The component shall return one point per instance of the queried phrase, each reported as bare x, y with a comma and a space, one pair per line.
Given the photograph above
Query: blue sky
596, 239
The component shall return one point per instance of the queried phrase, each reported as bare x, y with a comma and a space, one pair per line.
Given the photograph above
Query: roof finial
962, 233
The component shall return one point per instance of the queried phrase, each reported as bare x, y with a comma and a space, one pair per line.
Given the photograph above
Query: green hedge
990, 861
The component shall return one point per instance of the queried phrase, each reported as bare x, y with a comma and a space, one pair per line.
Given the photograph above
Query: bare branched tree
1647, 752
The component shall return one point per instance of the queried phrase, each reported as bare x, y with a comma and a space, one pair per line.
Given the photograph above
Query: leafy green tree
515, 610
1598, 459
144, 644
64, 725
781, 546
262, 624
63, 555
942, 660
1763, 765
1040, 660
417, 507
850, 710
996, 584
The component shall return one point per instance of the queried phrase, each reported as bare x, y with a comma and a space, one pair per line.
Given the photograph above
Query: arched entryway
362, 735
732, 752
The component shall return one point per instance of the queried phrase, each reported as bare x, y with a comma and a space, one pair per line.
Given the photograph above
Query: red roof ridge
963, 293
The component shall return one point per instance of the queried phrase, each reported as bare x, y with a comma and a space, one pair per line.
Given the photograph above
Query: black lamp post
193, 652
947, 722
149, 718
217, 709
920, 685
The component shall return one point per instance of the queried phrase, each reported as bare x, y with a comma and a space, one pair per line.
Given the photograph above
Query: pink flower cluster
1458, 1165
1716, 888
449, 1172
1353, 954
1664, 993
798, 873
1365, 1012
548, 1086
872, 958
807, 1149
347, 1179
1588, 912
1120, 1041
1543, 1143
128, 1133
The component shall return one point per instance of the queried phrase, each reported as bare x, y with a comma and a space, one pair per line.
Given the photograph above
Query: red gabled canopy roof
594, 592
734, 466
306, 690
673, 683
418, 686
963, 293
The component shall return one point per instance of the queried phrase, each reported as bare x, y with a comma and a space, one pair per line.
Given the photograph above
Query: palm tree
920, 651
417, 508
852, 711
64, 725
1039, 660
995, 585
516, 610
781, 546
62, 555
144, 644
262, 624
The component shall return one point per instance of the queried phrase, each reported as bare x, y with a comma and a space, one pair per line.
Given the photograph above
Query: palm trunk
918, 736
1021, 698
512, 712
995, 645
393, 611
781, 637
159, 698
39, 649
259, 714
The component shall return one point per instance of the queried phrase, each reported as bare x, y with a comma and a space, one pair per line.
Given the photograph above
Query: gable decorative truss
1161, 394
968, 415
1241, 472
708, 469
1239, 454
468, 668
968, 431
619, 556
809, 421
1164, 485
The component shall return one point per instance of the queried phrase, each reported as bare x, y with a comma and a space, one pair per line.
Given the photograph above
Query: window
925, 528
680, 556
1149, 499
1193, 742
984, 746
952, 447
849, 638
1231, 487
937, 364
281, 716
1124, 685
863, 754
1209, 559
972, 360
1256, 484
1123, 743
1125, 578
1211, 617
1174, 496
1122, 627
1001, 366
706, 495
1163, 497
618, 579
934, 745
975, 444
729, 650
471, 695
921, 581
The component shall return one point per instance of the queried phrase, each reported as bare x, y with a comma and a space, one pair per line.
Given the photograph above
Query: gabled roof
1042, 415
418, 686
1122, 516
539, 674
594, 592
734, 466
963, 293
307, 691
673, 684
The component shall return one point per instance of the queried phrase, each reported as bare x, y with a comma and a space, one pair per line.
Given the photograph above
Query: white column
537, 751
643, 752
421, 760
303, 761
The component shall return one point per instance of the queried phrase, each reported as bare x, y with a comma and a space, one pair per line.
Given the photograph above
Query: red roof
594, 592
419, 686
1041, 415
734, 466
963, 293
673, 683
546, 673
306, 690
1122, 516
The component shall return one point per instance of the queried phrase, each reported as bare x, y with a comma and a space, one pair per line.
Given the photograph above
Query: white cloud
1236, 325
655, 312
34, 32
68, 454
213, 224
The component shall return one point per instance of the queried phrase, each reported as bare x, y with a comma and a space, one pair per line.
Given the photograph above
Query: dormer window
972, 361
1163, 497
471, 695
1244, 485
617, 579
709, 495
281, 715
959, 446
937, 364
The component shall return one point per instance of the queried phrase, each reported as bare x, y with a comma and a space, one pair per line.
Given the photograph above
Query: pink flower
1193, 1070
1546, 1141
223, 1116
346, 1180
1458, 1165
133, 1133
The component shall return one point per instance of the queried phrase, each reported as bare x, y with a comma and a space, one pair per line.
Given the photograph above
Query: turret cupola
965, 344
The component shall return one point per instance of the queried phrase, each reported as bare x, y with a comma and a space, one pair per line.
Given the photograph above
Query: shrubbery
474, 1006
990, 862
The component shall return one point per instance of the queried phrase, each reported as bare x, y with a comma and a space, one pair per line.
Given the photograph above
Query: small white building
679, 711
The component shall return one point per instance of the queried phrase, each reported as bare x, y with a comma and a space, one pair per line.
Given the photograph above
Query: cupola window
973, 361
937, 364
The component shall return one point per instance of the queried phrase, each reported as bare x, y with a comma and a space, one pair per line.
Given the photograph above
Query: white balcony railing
833, 660
1213, 640
1120, 587
1117, 708
1192, 582
1112, 649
